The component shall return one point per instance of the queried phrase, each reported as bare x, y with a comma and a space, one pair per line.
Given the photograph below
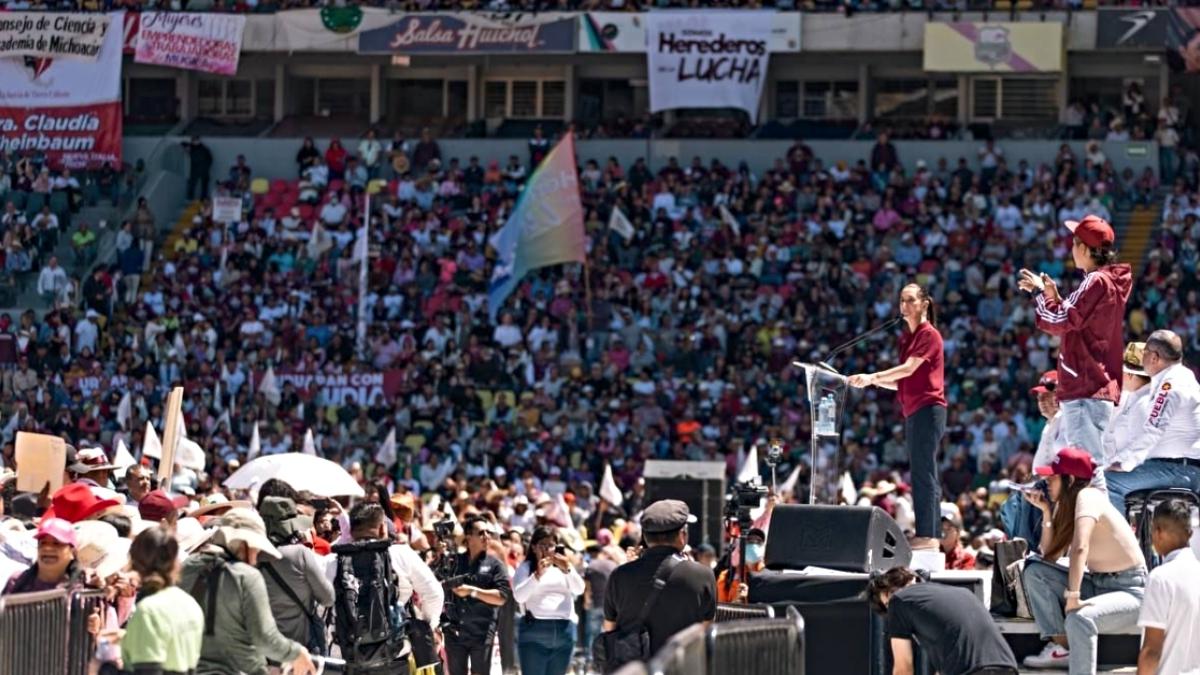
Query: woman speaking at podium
919, 384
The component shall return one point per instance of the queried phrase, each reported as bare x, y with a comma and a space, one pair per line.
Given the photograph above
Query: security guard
481, 587
1165, 452
690, 594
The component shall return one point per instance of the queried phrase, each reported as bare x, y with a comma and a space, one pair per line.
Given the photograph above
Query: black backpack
369, 623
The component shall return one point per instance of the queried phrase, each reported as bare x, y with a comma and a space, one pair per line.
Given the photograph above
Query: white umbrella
303, 472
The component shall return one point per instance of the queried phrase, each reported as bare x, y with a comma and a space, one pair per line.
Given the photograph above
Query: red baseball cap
158, 505
1093, 231
1048, 382
1075, 462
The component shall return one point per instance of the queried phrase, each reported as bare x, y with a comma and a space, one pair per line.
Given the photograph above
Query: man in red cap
1020, 518
1091, 323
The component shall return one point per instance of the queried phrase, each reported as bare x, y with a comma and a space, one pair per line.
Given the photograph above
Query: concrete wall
276, 157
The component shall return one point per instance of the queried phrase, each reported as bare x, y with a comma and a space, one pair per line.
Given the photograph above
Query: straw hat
99, 548
245, 526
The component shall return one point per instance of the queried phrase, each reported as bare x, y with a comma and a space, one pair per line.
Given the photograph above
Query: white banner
52, 35
707, 59
626, 32
227, 210
207, 42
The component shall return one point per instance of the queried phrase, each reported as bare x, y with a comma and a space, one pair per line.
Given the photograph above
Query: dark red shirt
926, 386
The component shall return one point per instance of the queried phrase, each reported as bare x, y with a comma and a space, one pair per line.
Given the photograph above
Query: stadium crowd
679, 349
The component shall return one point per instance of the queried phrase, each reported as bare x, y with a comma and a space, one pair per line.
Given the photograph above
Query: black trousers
198, 182
923, 432
468, 659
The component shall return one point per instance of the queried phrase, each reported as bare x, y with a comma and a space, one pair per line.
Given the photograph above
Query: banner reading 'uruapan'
206, 42
52, 35
68, 109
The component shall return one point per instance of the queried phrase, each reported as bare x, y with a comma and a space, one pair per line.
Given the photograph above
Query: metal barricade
34, 633
684, 654
81, 644
728, 611
760, 646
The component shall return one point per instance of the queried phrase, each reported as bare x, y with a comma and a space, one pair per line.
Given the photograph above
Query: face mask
754, 553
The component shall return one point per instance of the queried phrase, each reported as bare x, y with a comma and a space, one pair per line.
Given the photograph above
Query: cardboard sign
170, 437
41, 459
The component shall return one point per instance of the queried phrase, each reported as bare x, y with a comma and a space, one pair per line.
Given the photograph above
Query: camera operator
480, 586
729, 584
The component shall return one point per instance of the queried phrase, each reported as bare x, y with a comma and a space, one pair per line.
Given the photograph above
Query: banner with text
209, 43
333, 389
978, 47
707, 59
66, 108
470, 33
625, 32
51, 35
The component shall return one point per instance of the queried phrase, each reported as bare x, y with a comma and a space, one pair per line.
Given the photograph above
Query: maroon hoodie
1092, 325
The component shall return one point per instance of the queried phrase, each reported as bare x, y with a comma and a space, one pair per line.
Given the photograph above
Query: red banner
362, 388
133, 22
75, 137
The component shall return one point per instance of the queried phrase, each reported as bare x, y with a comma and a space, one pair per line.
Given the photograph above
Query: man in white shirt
1165, 451
334, 212
1170, 615
411, 573
52, 280
1134, 406
87, 332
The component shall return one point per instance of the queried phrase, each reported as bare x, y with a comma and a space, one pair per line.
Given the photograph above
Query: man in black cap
690, 593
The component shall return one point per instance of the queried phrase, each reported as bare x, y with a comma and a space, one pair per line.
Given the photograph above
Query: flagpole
587, 291
364, 249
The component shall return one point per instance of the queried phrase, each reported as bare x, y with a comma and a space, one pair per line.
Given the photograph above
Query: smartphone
1036, 278
560, 549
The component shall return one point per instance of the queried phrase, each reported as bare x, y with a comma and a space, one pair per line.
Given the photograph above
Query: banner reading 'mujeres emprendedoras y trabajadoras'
707, 59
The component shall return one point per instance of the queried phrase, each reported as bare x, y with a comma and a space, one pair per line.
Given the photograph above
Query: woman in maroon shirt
920, 389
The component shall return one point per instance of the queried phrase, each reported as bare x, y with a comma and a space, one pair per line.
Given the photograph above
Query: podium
826, 395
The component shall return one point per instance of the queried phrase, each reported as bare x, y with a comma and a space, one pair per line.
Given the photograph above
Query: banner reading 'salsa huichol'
67, 109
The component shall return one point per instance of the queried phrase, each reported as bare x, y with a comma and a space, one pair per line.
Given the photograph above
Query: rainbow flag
545, 228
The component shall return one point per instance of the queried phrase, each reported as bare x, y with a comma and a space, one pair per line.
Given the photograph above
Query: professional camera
741, 499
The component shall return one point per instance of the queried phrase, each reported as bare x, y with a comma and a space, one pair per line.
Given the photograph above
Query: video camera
742, 498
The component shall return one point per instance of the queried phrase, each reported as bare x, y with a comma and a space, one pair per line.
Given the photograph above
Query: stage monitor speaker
700, 485
846, 538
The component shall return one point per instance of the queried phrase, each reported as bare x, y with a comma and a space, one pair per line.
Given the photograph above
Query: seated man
948, 622
1019, 518
1165, 451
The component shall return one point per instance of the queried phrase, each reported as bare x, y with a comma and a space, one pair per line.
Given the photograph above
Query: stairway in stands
182, 223
27, 296
1135, 230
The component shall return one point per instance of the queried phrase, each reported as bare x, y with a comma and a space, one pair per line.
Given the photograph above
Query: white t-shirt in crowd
1172, 603
550, 597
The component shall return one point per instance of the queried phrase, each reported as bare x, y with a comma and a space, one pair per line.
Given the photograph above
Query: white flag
788, 488
151, 446
269, 388
217, 402
609, 491
224, 421
310, 445
124, 411
749, 469
362, 245
618, 223
255, 443
123, 459
728, 219
387, 452
318, 242
189, 455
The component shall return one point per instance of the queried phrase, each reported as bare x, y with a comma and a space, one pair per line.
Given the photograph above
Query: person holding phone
919, 383
1091, 324
1101, 589
546, 585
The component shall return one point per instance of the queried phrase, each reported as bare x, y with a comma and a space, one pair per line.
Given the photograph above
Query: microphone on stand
825, 365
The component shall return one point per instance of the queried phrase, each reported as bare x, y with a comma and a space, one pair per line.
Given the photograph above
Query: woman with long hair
546, 586
919, 383
167, 625
1072, 606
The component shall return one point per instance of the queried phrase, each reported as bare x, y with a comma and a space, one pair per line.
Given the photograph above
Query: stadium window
264, 98
554, 98
495, 98
1014, 98
239, 99
524, 99
903, 99
211, 98
456, 98
787, 99
417, 98
150, 99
